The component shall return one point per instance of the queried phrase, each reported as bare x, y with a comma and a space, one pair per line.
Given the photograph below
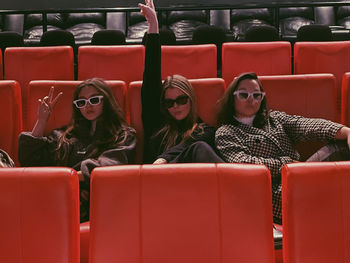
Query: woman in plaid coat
250, 133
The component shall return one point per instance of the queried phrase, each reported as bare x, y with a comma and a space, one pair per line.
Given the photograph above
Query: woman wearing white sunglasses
250, 133
97, 135
172, 131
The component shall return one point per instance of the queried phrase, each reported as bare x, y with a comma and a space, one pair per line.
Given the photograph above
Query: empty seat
181, 213
10, 117
309, 95
61, 114
39, 215
345, 99
316, 212
111, 62
208, 92
1, 70
36, 63
323, 57
264, 58
190, 61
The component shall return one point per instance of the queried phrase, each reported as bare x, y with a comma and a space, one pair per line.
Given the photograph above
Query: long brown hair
116, 129
171, 130
227, 111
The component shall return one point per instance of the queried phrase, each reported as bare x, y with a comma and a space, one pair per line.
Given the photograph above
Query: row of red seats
312, 95
193, 61
176, 213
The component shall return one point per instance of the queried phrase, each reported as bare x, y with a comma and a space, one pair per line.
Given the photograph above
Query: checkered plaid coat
272, 145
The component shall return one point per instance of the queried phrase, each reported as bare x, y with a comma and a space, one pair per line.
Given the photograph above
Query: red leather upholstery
36, 63
111, 62
309, 95
208, 92
323, 57
62, 112
264, 58
39, 215
316, 212
10, 117
345, 99
84, 242
181, 213
1, 70
190, 61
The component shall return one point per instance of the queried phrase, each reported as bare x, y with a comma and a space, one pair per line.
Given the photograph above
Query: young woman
172, 129
250, 133
97, 135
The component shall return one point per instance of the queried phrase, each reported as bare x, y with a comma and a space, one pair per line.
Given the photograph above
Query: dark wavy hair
227, 111
172, 130
116, 129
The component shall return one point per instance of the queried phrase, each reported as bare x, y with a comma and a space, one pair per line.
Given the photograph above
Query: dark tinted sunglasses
81, 103
181, 100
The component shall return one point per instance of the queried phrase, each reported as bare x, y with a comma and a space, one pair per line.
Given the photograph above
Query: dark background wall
67, 4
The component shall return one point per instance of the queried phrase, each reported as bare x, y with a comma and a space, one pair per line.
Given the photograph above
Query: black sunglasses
181, 100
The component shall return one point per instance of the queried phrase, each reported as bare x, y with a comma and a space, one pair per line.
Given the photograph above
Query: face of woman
94, 106
250, 106
177, 103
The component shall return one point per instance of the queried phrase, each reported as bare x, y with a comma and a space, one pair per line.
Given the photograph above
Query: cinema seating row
176, 213
309, 95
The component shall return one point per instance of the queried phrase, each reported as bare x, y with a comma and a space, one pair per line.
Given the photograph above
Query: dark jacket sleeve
208, 136
120, 154
36, 151
151, 87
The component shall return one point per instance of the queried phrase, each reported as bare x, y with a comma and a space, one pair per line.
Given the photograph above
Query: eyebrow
93, 95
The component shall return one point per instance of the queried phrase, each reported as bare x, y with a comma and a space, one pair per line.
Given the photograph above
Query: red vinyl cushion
208, 92
345, 99
190, 61
62, 112
181, 213
84, 242
111, 62
1, 70
39, 215
264, 58
308, 95
10, 117
316, 212
38, 63
323, 57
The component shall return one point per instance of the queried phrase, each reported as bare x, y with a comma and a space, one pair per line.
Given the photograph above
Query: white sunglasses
244, 95
81, 103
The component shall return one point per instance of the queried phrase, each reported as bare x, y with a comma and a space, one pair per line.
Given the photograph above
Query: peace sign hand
47, 104
150, 14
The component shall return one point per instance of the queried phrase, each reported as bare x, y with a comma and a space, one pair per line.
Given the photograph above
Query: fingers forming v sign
47, 104
149, 12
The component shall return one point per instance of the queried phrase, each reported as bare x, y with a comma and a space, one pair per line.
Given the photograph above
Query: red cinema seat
208, 92
345, 99
38, 63
39, 215
316, 212
1, 70
111, 62
10, 117
181, 213
323, 57
62, 112
309, 95
190, 61
264, 58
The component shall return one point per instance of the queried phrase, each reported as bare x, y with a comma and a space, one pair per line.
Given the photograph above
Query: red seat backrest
10, 117
62, 112
38, 63
39, 215
181, 213
310, 95
323, 57
1, 70
111, 62
190, 61
264, 58
345, 99
208, 92
316, 212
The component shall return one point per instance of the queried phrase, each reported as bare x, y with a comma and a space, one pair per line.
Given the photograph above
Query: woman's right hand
150, 14
47, 104
160, 161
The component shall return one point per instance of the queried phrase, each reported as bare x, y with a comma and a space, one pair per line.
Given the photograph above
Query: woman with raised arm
173, 132
97, 135
250, 133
